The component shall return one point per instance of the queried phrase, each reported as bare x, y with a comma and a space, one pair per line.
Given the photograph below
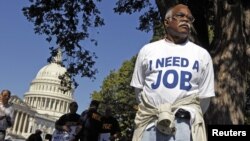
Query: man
6, 113
91, 123
110, 126
35, 136
173, 80
68, 123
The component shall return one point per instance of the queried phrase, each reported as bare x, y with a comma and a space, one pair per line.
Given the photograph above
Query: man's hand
78, 129
66, 128
2, 117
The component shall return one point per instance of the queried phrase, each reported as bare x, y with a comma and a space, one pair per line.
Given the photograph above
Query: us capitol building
42, 105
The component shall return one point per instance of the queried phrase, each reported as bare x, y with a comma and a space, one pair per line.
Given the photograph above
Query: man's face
5, 96
180, 22
73, 108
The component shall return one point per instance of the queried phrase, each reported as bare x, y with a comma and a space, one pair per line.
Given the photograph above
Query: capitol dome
45, 93
51, 71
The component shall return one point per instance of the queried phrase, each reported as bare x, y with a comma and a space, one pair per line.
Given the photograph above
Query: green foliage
210, 33
148, 19
118, 94
67, 23
159, 32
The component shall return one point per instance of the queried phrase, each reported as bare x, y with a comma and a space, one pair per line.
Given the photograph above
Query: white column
50, 102
45, 103
57, 105
54, 105
63, 108
37, 102
34, 101
16, 122
19, 127
67, 109
30, 100
25, 123
31, 123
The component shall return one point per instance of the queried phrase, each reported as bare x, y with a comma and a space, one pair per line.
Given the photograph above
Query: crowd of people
89, 126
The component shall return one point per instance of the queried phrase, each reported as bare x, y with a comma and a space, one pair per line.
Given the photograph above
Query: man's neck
176, 40
5, 103
176, 37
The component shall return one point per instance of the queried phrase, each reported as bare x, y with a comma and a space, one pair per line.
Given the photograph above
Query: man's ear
166, 22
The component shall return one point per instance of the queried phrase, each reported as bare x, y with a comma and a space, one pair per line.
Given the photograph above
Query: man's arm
206, 88
204, 102
138, 94
61, 124
2, 117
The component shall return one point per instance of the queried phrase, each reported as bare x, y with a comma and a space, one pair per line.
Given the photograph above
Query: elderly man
173, 80
6, 113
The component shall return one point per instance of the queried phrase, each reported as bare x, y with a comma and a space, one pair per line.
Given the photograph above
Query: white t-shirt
64, 136
166, 71
6, 111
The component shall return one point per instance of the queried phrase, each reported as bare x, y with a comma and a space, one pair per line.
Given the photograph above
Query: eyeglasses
180, 16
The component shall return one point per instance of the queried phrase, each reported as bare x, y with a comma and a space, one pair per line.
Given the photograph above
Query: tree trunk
231, 54
230, 62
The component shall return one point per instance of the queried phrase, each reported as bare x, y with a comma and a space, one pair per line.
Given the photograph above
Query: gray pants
2, 135
183, 132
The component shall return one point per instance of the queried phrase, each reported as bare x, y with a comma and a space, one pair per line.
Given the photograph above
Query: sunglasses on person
180, 16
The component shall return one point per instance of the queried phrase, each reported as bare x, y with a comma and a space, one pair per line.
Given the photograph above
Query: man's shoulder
64, 116
74, 114
194, 45
154, 43
151, 46
9, 106
84, 112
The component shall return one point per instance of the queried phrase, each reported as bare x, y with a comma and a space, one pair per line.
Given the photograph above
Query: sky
23, 53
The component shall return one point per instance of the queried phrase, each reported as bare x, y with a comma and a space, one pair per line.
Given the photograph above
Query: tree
230, 51
230, 48
231, 61
59, 21
116, 92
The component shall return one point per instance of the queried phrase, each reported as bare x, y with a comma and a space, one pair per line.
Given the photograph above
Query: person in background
70, 122
91, 123
110, 125
6, 113
48, 137
174, 81
35, 136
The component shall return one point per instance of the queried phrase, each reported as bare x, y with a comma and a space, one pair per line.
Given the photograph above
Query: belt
181, 113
